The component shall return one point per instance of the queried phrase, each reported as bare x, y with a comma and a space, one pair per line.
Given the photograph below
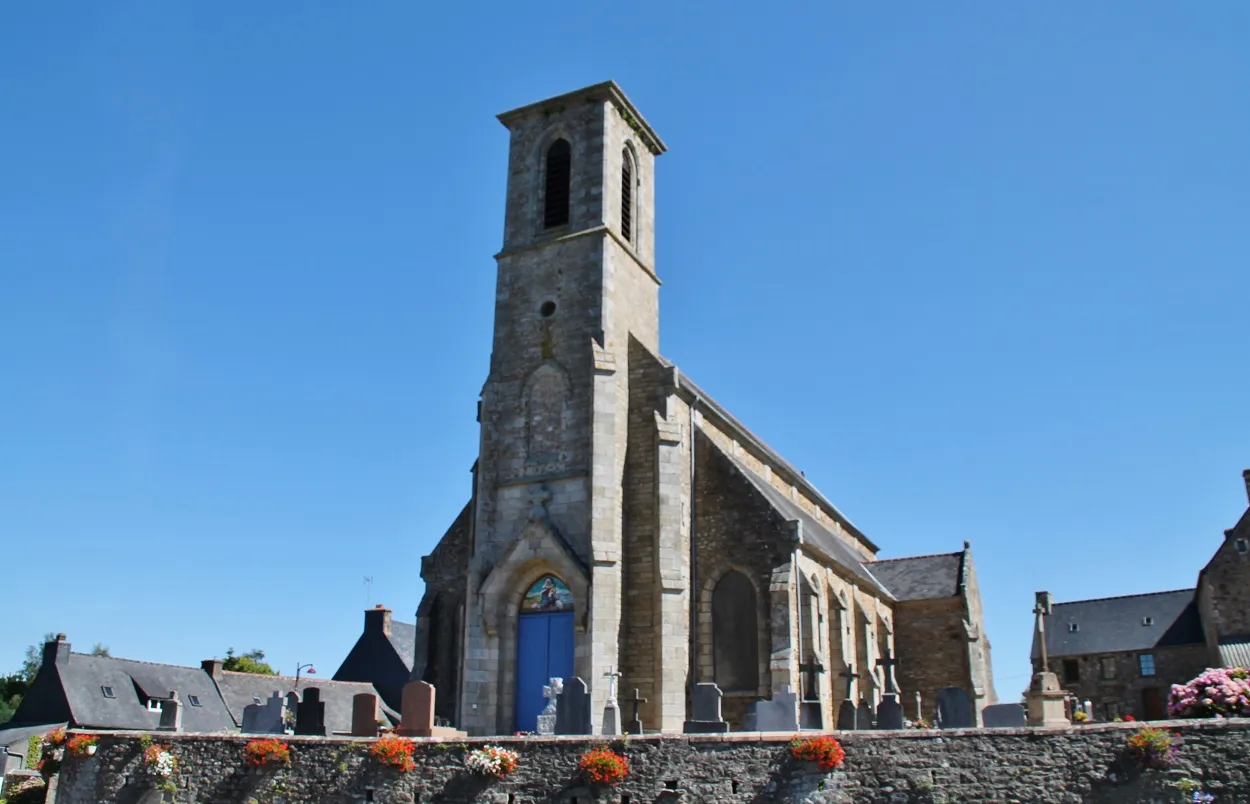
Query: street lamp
312, 671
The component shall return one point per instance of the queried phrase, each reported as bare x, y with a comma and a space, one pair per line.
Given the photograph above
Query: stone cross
919, 711
539, 497
812, 669
887, 663
850, 675
636, 700
1043, 608
611, 676
547, 719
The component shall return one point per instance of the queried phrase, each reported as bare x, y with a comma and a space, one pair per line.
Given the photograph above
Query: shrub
1217, 692
1154, 748
28, 791
260, 753
80, 743
395, 752
490, 760
602, 765
825, 751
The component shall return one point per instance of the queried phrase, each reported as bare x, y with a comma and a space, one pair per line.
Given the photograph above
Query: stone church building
620, 520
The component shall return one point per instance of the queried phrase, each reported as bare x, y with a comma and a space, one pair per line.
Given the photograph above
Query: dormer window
559, 169
1242, 546
1147, 620
1073, 628
154, 705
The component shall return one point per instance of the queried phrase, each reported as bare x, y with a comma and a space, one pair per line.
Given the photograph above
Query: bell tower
576, 281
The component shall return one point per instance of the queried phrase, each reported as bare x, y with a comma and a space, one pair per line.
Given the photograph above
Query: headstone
171, 713
611, 712
364, 715
866, 716
890, 712
848, 717
266, 718
705, 717
547, 720
310, 718
1004, 716
954, 709
573, 708
416, 717
888, 663
779, 714
634, 724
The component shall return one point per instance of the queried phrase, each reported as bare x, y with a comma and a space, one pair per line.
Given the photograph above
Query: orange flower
267, 752
602, 765
824, 751
395, 752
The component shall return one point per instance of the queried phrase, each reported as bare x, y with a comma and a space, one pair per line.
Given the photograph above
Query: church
620, 521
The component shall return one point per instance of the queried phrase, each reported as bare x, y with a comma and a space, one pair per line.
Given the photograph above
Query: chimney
1245, 475
212, 667
378, 619
56, 653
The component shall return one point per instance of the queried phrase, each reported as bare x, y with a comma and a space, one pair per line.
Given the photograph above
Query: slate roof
814, 532
242, 689
19, 735
921, 577
403, 638
1115, 624
132, 683
1235, 651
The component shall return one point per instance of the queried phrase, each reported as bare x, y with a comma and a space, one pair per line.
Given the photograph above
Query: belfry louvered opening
556, 195
627, 196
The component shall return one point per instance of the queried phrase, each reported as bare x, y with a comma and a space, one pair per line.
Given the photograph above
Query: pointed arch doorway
544, 646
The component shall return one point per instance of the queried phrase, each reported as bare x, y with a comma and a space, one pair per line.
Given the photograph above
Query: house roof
1235, 651
403, 638
19, 735
1117, 624
242, 689
921, 577
813, 532
132, 683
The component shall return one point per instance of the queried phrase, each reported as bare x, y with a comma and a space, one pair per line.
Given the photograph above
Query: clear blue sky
979, 269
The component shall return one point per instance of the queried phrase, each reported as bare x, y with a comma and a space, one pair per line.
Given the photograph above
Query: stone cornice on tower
608, 90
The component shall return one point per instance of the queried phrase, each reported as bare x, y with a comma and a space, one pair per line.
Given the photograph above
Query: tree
12, 688
250, 662
34, 658
101, 649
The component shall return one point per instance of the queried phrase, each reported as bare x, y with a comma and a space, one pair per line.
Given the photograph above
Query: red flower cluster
267, 752
55, 738
1129, 719
602, 765
824, 751
394, 751
79, 743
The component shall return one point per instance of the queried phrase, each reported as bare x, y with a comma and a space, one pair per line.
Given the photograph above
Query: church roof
812, 531
608, 90
1122, 624
921, 577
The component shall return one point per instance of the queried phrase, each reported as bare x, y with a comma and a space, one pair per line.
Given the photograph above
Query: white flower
490, 760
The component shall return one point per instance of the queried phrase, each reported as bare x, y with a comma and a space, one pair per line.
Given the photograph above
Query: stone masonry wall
1226, 588
1060, 766
1120, 684
932, 650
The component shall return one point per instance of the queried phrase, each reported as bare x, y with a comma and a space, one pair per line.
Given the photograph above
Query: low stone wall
1063, 766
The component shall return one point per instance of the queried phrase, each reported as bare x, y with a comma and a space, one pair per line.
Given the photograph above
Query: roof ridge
319, 681
1124, 597
136, 661
912, 558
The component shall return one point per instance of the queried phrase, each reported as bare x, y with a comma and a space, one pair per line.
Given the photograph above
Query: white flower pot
91, 750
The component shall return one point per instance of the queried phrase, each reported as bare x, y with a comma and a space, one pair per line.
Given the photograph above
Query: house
85, 691
1123, 654
382, 656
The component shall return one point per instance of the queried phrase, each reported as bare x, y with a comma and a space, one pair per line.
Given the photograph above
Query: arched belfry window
556, 188
627, 195
735, 634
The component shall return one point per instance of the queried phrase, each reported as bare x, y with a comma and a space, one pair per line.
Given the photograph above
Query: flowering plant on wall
490, 760
1080, 717
1217, 692
260, 753
55, 738
1154, 748
825, 751
162, 764
395, 752
602, 765
82, 744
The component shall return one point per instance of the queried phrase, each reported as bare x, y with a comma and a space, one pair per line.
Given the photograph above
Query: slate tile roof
921, 577
238, 690
132, 683
1118, 624
404, 639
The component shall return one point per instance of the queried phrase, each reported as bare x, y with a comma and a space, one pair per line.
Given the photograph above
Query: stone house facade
622, 524
1123, 654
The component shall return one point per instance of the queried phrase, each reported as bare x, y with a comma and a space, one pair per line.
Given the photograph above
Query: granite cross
850, 675
888, 662
1043, 607
812, 669
611, 676
636, 700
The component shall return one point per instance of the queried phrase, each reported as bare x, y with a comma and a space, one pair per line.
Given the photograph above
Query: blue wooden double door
544, 651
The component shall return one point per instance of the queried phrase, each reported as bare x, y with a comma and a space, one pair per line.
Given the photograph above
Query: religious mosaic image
548, 594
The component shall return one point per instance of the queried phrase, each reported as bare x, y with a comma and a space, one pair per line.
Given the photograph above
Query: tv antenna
368, 590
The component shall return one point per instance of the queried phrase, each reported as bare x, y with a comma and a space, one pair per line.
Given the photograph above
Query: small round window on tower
548, 309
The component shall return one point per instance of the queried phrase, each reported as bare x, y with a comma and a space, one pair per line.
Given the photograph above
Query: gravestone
705, 717
416, 718
634, 724
364, 715
779, 714
266, 718
865, 715
573, 708
611, 712
1004, 716
310, 718
547, 720
890, 712
171, 713
954, 709
848, 715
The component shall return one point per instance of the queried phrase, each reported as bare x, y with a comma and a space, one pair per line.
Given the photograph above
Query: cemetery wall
1061, 766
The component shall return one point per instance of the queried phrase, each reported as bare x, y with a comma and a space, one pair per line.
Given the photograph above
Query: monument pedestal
1045, 701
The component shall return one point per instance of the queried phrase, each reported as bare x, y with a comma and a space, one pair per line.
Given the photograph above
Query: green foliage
34, 658
250, 662
100, 649
34, 750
